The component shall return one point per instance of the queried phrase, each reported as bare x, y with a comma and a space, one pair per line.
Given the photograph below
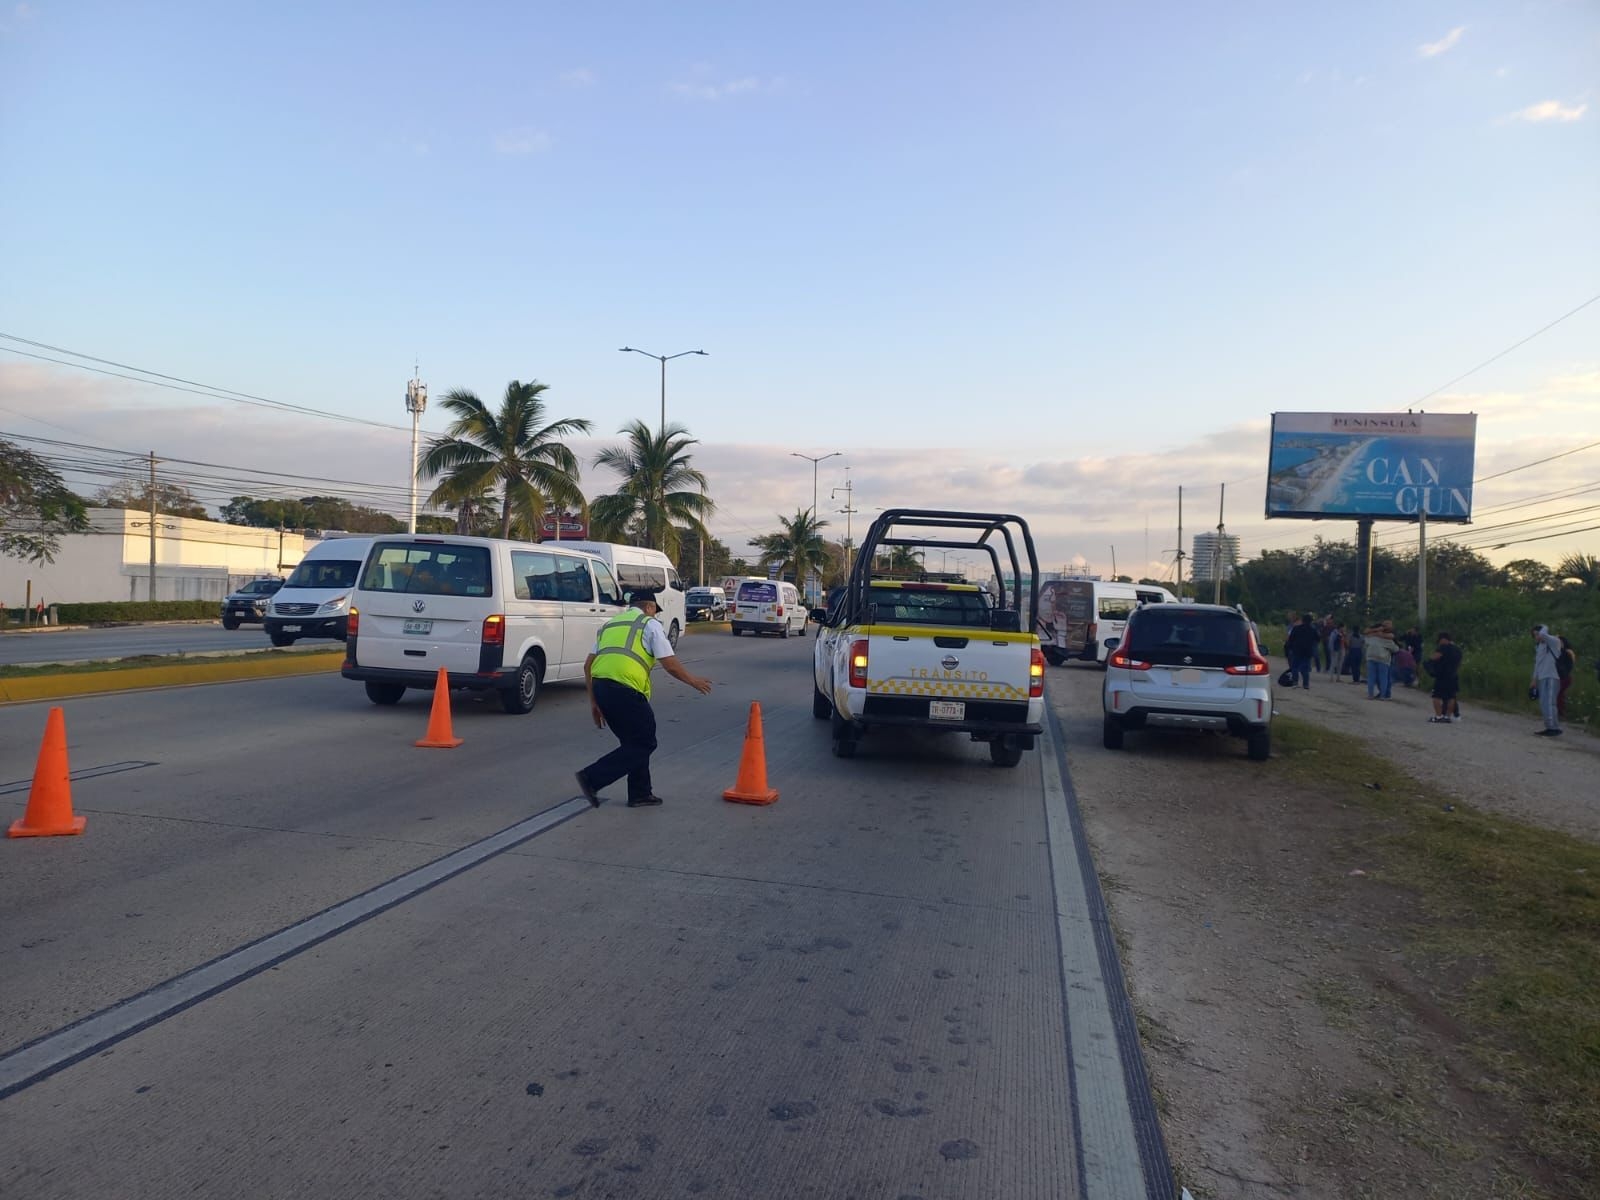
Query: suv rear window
427, 570
758, 593
1170, 635
906, 606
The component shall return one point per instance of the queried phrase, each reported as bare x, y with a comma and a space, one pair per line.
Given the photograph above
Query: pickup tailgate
948, 675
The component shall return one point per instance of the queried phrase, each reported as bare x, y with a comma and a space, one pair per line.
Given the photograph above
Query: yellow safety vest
622, 656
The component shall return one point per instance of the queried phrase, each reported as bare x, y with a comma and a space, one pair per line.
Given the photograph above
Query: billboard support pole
1364, 565
1422, 570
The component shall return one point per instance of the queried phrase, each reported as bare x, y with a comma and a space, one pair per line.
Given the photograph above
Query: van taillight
858, 664
780, 610
353, 623
494, 630
1094, 630
1036, 673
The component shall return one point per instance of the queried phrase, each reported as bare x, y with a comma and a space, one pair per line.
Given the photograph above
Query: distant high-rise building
1214, 556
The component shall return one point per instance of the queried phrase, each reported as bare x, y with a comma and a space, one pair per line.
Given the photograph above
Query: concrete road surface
295, 956
87, 645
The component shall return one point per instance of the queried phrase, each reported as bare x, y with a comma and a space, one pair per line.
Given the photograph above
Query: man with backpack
1546, 681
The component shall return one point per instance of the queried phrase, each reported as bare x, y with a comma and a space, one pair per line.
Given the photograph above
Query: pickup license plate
291, 629
418, 627
947, 710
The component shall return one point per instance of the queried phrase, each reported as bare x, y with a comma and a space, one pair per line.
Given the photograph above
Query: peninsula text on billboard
1380, 465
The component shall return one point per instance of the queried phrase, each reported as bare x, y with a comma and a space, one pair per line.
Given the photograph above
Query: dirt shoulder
1306, 1009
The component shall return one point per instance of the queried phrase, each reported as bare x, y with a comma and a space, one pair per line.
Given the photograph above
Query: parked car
706, 604
1188, 666
248, 605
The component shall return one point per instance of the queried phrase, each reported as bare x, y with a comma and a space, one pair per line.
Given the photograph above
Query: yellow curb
225, 670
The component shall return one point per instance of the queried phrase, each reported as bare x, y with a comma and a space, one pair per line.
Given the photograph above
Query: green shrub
129, 610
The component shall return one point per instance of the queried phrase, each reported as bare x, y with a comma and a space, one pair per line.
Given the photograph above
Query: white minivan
1085, 618
314, 602
767, 606
637, 567
497, 615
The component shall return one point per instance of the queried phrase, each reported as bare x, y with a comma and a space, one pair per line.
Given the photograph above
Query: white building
195, 560
1214, 553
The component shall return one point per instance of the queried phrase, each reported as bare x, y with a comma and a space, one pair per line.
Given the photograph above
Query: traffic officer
618, 675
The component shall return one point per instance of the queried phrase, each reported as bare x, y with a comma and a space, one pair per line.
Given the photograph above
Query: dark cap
643, 596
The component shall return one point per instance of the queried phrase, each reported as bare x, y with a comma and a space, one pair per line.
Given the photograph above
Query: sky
1049, 258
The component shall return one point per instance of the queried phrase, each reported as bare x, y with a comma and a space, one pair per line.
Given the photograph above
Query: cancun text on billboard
1390, 466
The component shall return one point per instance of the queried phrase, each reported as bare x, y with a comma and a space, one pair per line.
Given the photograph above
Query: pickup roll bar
897, 526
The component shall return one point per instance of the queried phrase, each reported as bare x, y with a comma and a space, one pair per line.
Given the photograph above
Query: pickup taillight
1036, 674
858, 664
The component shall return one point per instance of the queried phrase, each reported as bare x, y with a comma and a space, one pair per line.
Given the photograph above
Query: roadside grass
1512, 943
137, 662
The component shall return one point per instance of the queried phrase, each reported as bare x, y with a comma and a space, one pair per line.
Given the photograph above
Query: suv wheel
1259, 744
1111, 734
523, 693
385, 693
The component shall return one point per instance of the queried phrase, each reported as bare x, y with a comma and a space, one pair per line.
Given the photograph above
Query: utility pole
416, 401
1180, 543
152, 525
1113, 564
1216, 556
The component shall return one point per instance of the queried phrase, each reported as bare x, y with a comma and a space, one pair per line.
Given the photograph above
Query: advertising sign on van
1383, 465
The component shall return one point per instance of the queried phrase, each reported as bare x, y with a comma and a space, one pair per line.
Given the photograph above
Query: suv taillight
1256, 666
858, 664
1121, 659
1036, 673
353, 623
494, 630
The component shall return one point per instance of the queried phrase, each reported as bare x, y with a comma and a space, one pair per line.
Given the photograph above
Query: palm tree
797, 545
515, 449
660, 489
902, 562
1585, 568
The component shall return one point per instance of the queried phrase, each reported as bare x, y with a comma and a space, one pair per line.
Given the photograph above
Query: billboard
1390, 466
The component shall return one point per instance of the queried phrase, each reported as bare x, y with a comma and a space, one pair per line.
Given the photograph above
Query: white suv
1189, 666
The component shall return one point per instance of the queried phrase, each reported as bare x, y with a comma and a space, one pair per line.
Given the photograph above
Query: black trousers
629, 716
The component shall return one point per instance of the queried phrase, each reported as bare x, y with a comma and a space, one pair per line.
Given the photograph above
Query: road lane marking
56, 1051
22, 785
1121, 1155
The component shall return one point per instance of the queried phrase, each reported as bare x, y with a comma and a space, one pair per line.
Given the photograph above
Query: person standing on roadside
1299, 647
1353, 650
617, 672
1379, 646
1546, 680
1445, 667
1335, 649
1565, 667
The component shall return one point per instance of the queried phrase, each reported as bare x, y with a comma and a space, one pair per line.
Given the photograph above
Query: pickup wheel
385, 693
821, 706
1003, 752
1111, 734
230, 622
844, 737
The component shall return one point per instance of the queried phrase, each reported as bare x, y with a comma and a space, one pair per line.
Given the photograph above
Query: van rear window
758, 593
428, 570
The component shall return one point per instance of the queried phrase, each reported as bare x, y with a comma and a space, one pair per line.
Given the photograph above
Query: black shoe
644, 801
589, 794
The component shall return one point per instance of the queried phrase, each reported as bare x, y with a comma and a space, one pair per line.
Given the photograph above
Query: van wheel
844, 737
673, 633
281, 639
1003, 752
385, 693
1111, 734
523, 693
1259, 744
821, 706
735, 631
784, 632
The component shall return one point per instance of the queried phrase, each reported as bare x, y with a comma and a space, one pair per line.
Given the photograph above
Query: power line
1536, 463
1508, 349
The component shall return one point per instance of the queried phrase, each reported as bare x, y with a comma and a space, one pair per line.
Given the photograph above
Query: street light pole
663, 359
814, 461
849, 510
416, 401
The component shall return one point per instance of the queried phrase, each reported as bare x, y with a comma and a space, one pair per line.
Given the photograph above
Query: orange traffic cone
50, 799
751, 787
440, 735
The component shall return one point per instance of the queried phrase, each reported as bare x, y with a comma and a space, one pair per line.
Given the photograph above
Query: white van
636, 567
314, 602
767, 606
497, 615
1084, 618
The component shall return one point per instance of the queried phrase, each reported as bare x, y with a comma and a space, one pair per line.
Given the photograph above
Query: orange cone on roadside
440, 735
751, 787
49, 811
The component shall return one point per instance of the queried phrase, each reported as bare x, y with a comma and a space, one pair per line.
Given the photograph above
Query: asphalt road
895, 982
85, 645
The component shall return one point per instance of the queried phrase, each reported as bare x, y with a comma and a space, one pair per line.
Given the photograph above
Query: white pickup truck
934, 652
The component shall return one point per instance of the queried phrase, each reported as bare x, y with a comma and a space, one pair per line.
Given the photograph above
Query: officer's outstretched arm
681, 673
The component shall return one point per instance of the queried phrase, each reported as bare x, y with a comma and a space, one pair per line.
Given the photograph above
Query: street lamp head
702, 352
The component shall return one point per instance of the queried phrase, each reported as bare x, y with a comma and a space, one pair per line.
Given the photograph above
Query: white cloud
1547, 110
578, 77
1447, 42
706, 90
522, 141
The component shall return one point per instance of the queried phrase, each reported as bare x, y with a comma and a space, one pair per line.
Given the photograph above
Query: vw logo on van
418, 605
949, 662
